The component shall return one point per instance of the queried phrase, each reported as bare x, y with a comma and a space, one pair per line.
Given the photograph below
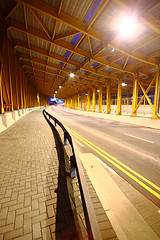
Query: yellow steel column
38, 102
85, 102
100, 100
127, 101
1, 93
93, 99
81, 101
71, 102
156, 95
108, 97
78, 102
119, 97
1, 66
89, 100
135, 96
10, 77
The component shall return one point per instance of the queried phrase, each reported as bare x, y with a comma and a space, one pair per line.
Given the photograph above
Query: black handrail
89, 213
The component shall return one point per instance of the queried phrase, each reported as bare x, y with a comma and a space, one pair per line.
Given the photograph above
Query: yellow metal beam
156, 95
143, 97
89, 100
146, 96
108, 97
79, 26
93, 99
119, 97
135, 96
78, 102
100, 99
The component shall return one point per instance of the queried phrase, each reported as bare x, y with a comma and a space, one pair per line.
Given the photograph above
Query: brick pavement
38, 200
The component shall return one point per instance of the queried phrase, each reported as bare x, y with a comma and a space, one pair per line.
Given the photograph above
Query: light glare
124, 84
71, 75
127, 26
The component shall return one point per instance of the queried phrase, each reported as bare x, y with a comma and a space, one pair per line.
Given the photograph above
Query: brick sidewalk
37, 198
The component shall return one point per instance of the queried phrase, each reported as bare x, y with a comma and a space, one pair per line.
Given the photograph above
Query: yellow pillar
93, 99
75, 102
89, 100
71, 102
119, 97
156, 95
78, 102
10, 77
81, 102
38, 102
100, 100
1, 93
108, 97
135, 96
85, 102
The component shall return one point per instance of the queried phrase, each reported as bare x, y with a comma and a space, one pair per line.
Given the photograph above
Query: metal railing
76, 165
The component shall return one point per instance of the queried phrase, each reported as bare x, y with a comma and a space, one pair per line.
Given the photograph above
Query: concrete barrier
139, 121
9, 118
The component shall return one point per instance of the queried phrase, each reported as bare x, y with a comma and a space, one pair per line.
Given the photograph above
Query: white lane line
105, 165
79, 143
148, 130
138, 138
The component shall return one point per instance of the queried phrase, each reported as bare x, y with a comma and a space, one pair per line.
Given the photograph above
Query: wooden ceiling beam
40, 22
60, 58
11, 11
68, 34
82, 27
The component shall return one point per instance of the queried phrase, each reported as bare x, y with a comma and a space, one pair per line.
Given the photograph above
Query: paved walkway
38, 200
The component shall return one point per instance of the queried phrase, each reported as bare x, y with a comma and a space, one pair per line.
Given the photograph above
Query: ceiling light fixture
127, 26
71, 75
124, 84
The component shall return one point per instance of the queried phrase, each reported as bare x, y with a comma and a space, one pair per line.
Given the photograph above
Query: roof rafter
82, 27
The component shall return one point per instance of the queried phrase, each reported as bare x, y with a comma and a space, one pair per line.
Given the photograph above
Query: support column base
133, 114
118, 113
155, 116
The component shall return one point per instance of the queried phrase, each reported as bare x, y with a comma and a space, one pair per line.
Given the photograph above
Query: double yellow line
127, 170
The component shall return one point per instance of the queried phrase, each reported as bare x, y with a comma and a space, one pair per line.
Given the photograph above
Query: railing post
65, 138
73, 166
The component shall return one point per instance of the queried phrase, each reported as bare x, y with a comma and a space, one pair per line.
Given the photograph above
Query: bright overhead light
113, 50
98, 90
60, 86
55, 91
127, 26
71, 75
124, 84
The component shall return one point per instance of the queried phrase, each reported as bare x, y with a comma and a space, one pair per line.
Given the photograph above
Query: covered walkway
38, 200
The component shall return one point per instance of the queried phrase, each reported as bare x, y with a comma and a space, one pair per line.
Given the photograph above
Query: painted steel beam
76, 24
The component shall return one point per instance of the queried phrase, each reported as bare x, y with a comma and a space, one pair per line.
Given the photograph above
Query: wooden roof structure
53, 38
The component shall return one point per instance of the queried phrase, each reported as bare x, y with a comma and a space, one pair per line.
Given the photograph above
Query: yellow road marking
98, 150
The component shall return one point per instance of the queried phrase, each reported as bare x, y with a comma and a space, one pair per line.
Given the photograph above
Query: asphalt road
132, 152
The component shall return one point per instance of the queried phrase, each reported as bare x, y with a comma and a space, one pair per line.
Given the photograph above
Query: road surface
133, 152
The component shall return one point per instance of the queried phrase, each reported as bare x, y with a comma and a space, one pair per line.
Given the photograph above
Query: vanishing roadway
132, 152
